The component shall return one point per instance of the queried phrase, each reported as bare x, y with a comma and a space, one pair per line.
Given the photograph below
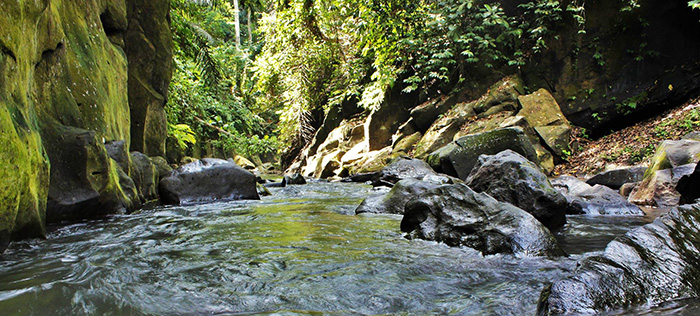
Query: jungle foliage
304, 55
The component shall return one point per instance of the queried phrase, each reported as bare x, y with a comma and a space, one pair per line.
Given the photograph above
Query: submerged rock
208, 180
458, 216
593, 200
510, 177
651, 264
394, 201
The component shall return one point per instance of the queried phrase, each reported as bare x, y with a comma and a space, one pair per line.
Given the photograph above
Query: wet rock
118, 152
394, 201
649, 265
458, 216
262, 190
615, 179
689, 187
593, 200
208, 180
459, 157
627, 188
510, 177
659, 188
294, 178
405, 168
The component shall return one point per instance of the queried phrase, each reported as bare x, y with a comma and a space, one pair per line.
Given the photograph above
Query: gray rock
510, 177
593, 200
405, 168
458, 216
615, 179
394, 201
651, 264
294, 178
208, 180
145, 176
459, 157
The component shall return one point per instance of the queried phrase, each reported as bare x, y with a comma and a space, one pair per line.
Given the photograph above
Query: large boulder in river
293, 178
405, 168
651, 264
394, 201
510, 177
459, 157
208, 180
616, 178
593, 200
458, 216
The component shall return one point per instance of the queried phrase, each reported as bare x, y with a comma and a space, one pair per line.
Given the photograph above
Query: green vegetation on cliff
306, 56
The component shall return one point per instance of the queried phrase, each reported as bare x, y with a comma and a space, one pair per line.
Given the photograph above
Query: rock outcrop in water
64, 69
394, 201
458, 216
651, 264
593, 200
208, 180
510, 177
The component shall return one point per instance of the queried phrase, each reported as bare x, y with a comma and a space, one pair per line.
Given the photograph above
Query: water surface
298, 252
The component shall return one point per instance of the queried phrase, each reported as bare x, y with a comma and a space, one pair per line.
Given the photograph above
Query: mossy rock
674, 153
541, 109
457, 158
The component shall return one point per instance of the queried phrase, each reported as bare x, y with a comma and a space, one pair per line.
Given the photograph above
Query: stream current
300, 251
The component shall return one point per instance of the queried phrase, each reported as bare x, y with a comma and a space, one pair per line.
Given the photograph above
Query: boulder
293, 178
616, 178
208, 180
593, 200
459, 157
543, 113
394, 201
458, 216
510, 177
655, 263
117, 150
405, 145
689, 187
440, 134
674, 153
145, 176
424, 115
404, 168
162, 166
659, 188
262, 190
382, 123
243, 162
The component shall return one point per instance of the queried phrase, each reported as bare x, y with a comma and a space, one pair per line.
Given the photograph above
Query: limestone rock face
510, 177
148, 48
458, 216
208, 180
649, 265
63, 95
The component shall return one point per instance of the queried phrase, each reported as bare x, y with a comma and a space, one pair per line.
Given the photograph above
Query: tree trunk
250, 26
237, 21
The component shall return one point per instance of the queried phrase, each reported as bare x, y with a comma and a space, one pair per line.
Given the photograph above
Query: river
297, 252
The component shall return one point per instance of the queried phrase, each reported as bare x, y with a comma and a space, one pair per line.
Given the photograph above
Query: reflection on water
297, 252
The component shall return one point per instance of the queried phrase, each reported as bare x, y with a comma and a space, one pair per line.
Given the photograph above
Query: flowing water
298, 252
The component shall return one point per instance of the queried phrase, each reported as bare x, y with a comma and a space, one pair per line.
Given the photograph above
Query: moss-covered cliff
64, 92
